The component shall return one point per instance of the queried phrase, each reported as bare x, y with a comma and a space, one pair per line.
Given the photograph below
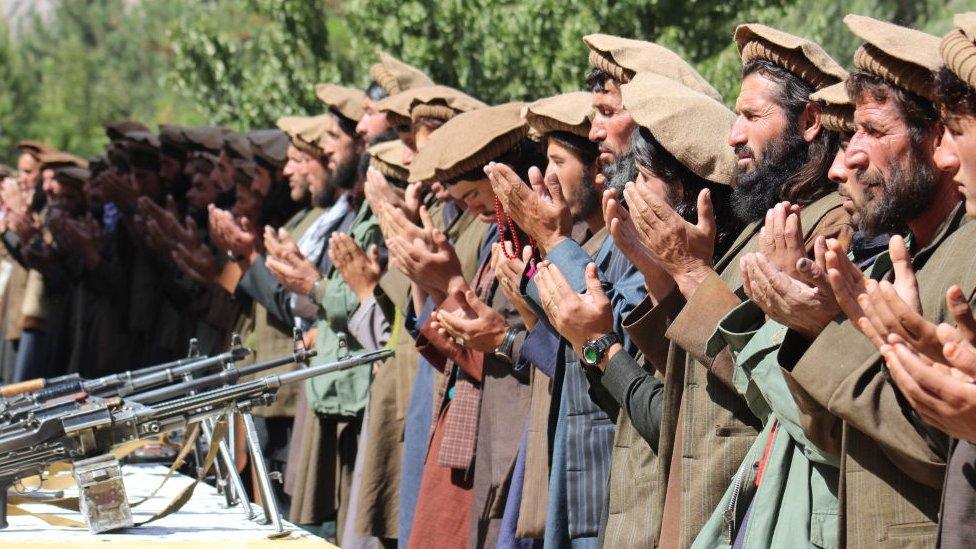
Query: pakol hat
72, 176
34, 148
344, 101
387, 158
120, 128
624, 57
838, 110
468, 141
206, 138
307, 133
142, 149
172, 141
693, 127
902, 56
237, 146
395, 76
269, 147
568, 112
958, 48
798, 55
60, 159
440, 102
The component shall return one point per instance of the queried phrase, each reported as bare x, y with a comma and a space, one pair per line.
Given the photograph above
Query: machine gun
118, 385
94, 428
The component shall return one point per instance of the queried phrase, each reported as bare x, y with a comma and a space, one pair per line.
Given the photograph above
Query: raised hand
629, 241
682, 249
360, 270
781, 237
542, 211
294, 272
509, 271
577, 317
474, 325
430, 262
197, 263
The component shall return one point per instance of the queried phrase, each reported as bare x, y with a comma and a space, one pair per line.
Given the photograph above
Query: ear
810, 121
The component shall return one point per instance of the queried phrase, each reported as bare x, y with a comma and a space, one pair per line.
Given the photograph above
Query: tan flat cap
397, 108
798, 55
73, 176
903, 56
387, 157
348, 102
34, 148
468, 141
395, 76
207, 138
269, 147
624, 57
440, 102
568, 112
838, 110
958, 48
693, 127
308, 133
119, 128
171, 138
143, 138
60, 159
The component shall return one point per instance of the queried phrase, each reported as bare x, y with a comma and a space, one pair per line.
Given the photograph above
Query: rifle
121, 384
95, 428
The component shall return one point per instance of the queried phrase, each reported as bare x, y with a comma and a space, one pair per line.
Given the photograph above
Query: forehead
757, 89
610, 97
869, 108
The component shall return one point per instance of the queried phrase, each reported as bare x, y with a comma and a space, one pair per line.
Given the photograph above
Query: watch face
590, 354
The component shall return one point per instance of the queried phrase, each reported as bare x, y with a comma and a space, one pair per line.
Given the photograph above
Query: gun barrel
169, 375
338, 366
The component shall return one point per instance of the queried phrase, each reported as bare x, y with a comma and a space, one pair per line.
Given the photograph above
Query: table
204, 522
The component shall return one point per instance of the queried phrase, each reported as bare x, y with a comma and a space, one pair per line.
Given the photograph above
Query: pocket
910, 535
735, 431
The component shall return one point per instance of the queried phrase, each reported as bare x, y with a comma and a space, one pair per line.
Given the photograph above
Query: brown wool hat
237, 146
397, 108
269, 147
120, 128
347, 102
798, 55
568, 112
387, 158
72, 176
838, 110
395, 76
142, 149
34, 148
206, 138
468, 141
440, 102
693, 127
307, 133
958, 48
244, 170
903, 56
624, 57
172, 141
60, 159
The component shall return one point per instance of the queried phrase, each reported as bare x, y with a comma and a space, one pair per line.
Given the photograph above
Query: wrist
611, 352
456, 284
691, 278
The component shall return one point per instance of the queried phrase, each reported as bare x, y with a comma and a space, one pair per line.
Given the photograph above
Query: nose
598, 132
408, 155
946, 155
361, 125
856, 156
737, 134
838, 172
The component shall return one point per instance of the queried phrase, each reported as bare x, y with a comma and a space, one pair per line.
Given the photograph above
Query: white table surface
204, 521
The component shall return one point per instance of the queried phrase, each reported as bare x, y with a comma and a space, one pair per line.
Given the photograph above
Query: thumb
374, 255
706, 214
425, 219
476, 304
536, 180
592, 280
555, 189
901, 261
527, 254
245, 224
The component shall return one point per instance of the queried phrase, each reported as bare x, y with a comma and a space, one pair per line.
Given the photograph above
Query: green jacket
343, 393
795, 504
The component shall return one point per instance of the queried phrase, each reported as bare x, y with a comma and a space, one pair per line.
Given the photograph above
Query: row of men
625, 316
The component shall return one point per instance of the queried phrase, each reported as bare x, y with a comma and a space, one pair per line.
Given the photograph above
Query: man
891, 472
390, 77
777, 123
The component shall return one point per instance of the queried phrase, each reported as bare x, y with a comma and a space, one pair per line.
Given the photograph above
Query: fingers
962, 356
962, 313
706, 214
538, 182
425, 219
592, 281
794, 237
554, 187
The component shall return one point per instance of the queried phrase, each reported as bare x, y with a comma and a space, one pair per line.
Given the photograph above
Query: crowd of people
625, 316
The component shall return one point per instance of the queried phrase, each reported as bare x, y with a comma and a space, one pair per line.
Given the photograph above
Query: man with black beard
783, 153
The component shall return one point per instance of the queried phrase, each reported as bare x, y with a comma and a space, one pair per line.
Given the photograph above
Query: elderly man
901, 181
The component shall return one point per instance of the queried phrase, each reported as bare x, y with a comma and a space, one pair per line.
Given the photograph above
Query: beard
589, 200
759, 190
904, 195
620, 172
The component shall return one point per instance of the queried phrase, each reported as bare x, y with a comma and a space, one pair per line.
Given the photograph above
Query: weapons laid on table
122, 384
92, 429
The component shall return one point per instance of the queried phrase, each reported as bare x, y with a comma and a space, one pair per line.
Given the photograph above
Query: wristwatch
594, 350
504, 349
